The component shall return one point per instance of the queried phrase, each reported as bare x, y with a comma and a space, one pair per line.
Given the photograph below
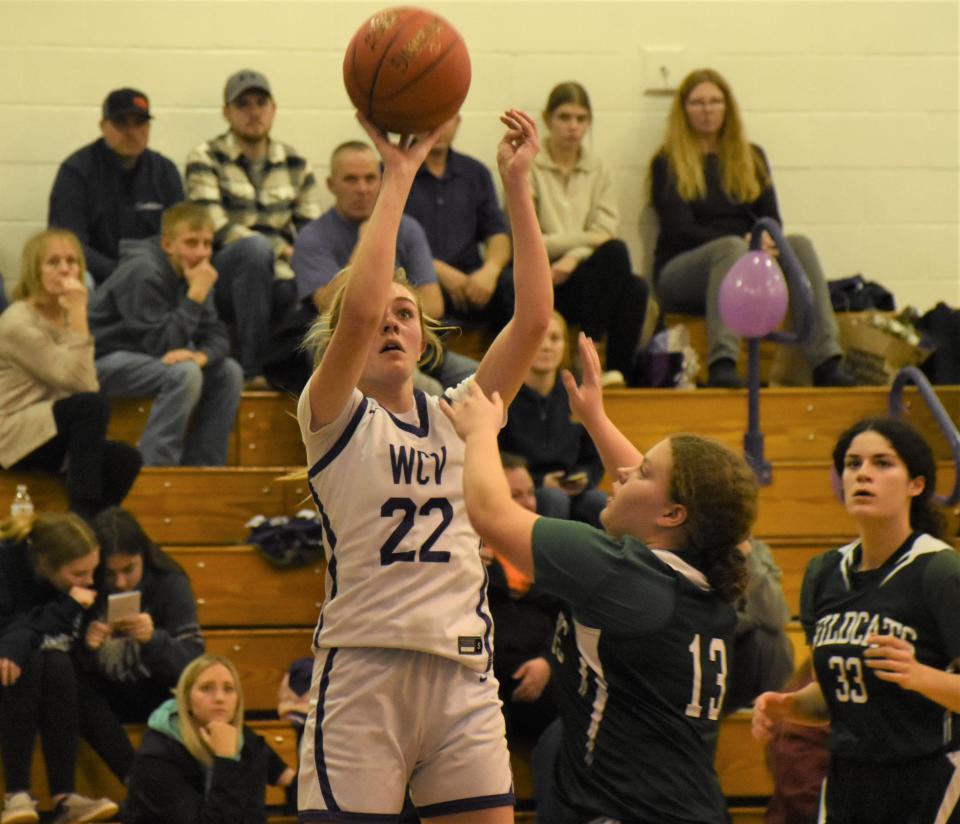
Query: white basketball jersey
403, 562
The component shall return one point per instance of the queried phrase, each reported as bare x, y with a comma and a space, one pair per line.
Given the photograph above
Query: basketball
407, 70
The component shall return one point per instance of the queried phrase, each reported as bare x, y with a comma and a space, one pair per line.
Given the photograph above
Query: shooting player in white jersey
641, 658
882, 615
403, 689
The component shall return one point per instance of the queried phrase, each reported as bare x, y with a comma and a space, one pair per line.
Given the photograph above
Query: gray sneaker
19, 808
76, 809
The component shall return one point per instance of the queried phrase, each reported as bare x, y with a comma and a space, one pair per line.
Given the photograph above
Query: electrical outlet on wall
663, 68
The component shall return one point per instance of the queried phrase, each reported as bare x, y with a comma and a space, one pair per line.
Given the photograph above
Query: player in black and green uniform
643, 654
882, 616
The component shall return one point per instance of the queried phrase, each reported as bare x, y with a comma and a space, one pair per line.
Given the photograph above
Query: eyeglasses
711, 103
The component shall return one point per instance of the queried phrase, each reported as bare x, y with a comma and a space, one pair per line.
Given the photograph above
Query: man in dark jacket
115, 188
158, 335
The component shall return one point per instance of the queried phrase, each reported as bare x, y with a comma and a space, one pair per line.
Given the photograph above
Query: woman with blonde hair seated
709, 185
197, 761
51, 412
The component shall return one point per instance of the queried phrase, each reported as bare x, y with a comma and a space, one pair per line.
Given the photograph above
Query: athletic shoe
19, 808
77, 809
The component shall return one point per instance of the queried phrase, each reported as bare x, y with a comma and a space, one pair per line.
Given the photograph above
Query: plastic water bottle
21, 504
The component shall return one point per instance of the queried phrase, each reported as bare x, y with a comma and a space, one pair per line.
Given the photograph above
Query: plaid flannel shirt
286, 200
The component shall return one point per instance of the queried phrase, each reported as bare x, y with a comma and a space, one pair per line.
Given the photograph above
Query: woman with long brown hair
709, 185
573, 188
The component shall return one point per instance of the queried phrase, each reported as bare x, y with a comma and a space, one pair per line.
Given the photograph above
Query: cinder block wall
856, 103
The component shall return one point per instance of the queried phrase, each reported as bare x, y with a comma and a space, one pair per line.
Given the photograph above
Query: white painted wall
856, 103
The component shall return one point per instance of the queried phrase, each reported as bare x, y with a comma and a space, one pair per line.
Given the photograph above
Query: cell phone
122, 605
574, 479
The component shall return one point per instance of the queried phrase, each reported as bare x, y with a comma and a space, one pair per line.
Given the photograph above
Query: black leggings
44, 699
99, 472
607, 300
106, 705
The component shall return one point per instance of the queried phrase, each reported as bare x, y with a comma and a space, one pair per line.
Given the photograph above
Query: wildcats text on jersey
855, 626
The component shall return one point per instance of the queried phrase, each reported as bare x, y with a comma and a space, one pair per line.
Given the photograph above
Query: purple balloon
753, 296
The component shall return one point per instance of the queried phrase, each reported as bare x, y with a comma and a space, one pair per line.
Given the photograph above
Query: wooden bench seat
236, 585
212, 505
265, 433
740, 765
262, 657
798, 423
187, 505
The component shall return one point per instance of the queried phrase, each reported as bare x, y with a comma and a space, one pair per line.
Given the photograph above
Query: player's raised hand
586, 399
518, 146
408, 153
474, 412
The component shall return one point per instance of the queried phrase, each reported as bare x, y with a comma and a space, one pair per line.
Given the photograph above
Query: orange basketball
407, 70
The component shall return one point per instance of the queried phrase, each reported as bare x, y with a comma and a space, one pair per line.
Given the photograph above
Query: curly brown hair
719, 492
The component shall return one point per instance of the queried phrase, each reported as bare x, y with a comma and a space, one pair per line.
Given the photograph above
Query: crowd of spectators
187, 294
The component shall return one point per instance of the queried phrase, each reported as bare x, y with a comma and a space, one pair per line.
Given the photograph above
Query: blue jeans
193, 409
586, 507
690, 283
248, 298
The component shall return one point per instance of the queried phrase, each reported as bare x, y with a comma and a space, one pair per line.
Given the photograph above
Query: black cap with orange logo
121, 102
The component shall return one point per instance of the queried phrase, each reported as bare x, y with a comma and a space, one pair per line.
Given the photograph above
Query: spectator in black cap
259, 193
115, 188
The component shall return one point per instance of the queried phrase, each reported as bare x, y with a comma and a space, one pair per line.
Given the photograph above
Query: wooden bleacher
262, 617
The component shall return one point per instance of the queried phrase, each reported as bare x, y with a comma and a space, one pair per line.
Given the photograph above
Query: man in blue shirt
454, 199
115, 188
325, 246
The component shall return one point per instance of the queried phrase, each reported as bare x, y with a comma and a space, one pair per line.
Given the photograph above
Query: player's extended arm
506, 362
586, 403
496, 517
371, 274
805, 706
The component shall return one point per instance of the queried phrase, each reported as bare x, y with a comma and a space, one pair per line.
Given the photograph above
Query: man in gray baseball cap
243, 81
258, 192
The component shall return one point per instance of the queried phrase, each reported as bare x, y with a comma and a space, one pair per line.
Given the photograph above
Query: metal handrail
801, 297
798, 281
910, 374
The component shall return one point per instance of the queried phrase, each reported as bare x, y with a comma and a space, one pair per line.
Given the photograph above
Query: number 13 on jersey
709, 677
